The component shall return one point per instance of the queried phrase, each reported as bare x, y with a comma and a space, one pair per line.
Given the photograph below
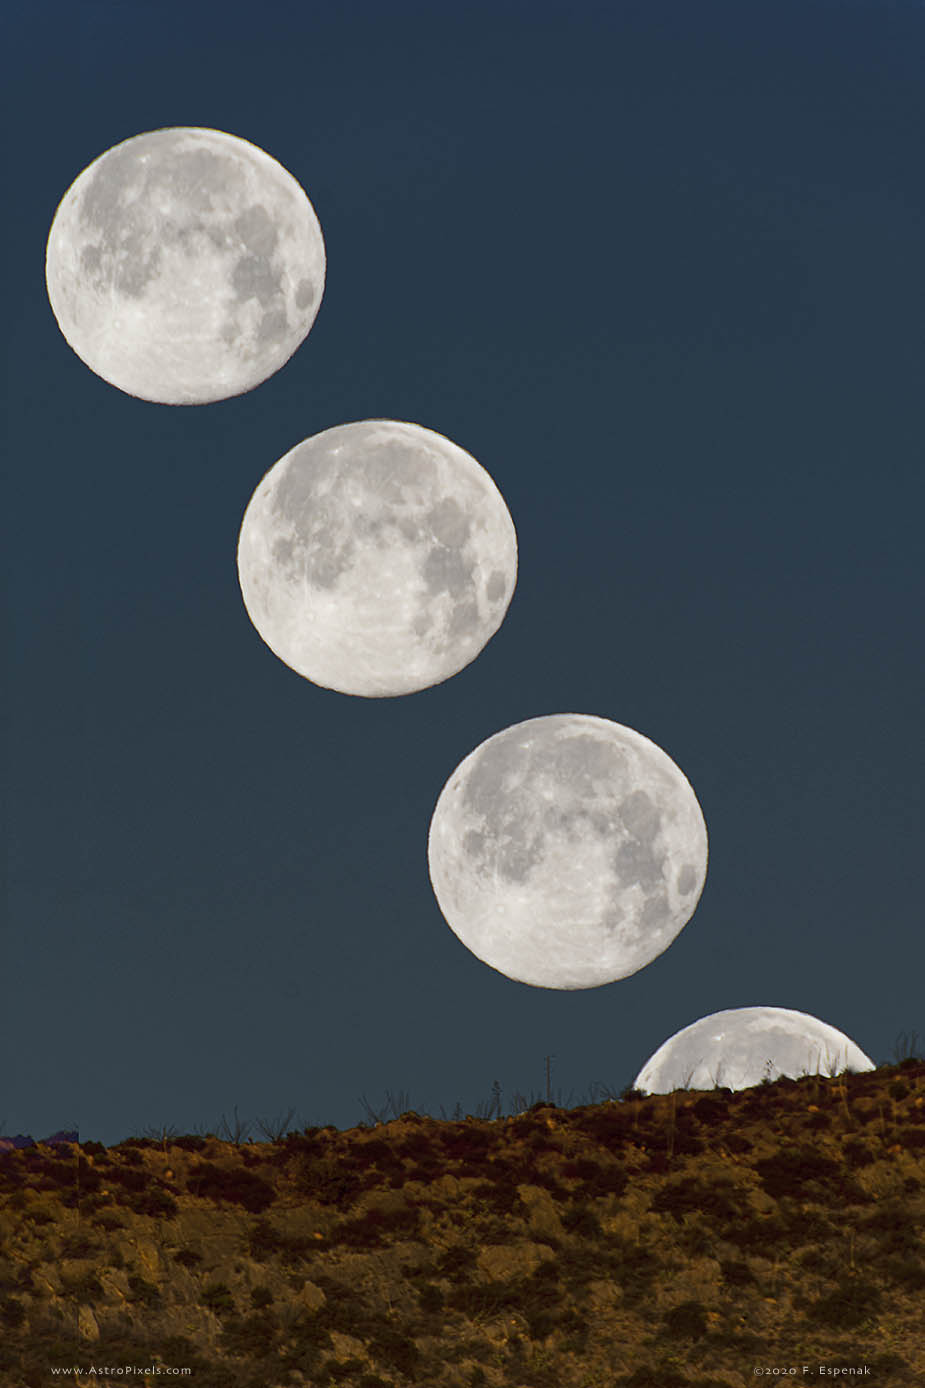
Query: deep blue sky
659, 268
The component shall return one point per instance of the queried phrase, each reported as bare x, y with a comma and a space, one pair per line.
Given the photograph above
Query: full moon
377, 558
567, 851
185, 265
744, 1045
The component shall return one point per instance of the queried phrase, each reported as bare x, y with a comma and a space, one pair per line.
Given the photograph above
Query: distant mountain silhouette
26, 1140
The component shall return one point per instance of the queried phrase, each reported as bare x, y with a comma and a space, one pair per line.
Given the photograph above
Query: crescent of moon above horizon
377, 558
567, 851
185, 265
739, 1048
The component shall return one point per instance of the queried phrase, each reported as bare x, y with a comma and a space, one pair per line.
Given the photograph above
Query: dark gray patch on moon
445, 570
635, 862
688, 878
656, 912
496, 586
272, 325
484, 789
305, 294
254, 278
464, 619
640, 816
449, 523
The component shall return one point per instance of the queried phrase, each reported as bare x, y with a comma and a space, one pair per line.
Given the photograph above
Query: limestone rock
87, 1327
501, 1262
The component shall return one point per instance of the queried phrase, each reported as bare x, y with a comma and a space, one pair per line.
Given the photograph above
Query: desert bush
261, 1297
580, 1219
143, 1291
252, 1335
846, 1306
78, 1244
736, 1273
687, 1321
456, 1261
395, 1351
232, 1186
790, 1170
370, 1229
329, 1181
155, 1203
678, 1198
857, 1154
430, 1299
129, 1177
187, 1257
12, 1312
264, 1241
218, 1297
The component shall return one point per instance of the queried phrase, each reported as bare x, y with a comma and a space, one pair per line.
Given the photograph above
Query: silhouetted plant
906, 1047
275, 1129
236, 1131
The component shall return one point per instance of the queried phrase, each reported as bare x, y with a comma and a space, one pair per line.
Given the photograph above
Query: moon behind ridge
567, 851
741, 1046
185, 265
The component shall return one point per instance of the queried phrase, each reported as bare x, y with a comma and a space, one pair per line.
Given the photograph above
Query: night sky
659, 268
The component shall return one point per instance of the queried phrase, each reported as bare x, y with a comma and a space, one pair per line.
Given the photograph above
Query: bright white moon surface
567, 851
185, 265
744, 1045
377, 558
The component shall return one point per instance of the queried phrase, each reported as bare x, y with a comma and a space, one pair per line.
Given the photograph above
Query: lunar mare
567, 851
742, 1046
377, 558
185, 265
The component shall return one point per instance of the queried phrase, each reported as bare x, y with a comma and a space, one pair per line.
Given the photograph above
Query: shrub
582, 1221
374, 1226
77, 1244
687, 1321
456, 1261
187, 1257
430, 1299
847, 1306
254, 1335
143, 1291
681, 1197
736, 1273
329, 1182
218, 1298
395, 1350
12, 1312
261, 1296
156, 1204
233, 1186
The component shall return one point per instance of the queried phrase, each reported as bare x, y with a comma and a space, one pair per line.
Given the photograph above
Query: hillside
660, 1242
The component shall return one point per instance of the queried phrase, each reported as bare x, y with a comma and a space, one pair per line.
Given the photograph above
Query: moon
567, 851
185, 265
377, 558
744, 1045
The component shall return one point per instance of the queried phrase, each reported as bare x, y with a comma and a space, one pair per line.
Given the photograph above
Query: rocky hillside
660, 1242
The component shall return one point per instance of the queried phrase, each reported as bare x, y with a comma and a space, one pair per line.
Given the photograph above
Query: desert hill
674, 1241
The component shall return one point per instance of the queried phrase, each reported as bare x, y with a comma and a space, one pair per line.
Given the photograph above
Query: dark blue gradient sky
659, 268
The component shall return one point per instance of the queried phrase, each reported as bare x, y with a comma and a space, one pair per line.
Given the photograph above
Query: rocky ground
675, 1241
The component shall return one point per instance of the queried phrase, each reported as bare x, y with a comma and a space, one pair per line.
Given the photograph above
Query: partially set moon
742, 1046
185, 265
377, 558
567, 851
